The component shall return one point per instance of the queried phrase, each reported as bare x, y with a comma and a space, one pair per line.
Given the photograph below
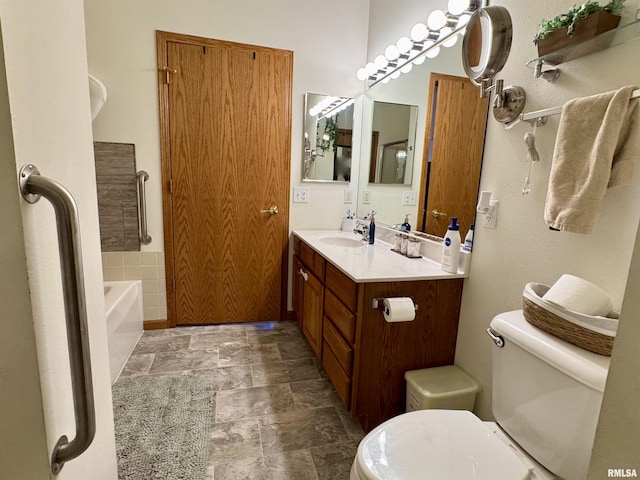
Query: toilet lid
437, 445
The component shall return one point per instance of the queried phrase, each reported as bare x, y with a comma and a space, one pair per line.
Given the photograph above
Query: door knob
437, 214
272, 210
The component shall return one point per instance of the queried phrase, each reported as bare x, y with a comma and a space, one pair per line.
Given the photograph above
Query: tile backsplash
145, 266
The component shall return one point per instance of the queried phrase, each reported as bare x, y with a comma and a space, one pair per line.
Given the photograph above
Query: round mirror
486, 43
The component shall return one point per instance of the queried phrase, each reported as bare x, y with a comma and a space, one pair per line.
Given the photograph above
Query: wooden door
454, 142
226, 135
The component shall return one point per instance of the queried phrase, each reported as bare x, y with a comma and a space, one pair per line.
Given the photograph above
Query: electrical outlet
409, 198
366, 196
491, 219
300, 195
348, 196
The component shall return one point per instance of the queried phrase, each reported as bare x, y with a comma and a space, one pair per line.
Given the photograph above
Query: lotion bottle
451, 247
468, 240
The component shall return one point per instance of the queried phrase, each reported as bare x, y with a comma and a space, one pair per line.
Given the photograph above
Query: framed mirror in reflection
328, 132
392, 143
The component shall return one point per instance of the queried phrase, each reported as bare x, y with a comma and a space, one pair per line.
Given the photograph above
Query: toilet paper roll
579, 295
399, 309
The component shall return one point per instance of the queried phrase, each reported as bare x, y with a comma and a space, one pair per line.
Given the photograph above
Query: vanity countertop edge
373, 263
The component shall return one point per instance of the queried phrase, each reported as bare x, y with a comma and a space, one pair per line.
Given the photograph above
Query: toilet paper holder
377, 303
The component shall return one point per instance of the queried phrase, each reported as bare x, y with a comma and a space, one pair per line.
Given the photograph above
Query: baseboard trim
155, 324
291, 315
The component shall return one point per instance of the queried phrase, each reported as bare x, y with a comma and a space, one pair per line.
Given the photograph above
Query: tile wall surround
145, 266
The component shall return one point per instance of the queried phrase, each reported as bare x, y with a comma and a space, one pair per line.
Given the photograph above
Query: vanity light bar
425, 42
336, 107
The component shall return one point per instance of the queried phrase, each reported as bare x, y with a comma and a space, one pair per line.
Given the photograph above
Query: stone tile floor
277, 416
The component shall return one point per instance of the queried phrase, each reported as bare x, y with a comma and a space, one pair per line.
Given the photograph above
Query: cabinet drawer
344, 288
312, 260
342, 318
340, 348
340, 380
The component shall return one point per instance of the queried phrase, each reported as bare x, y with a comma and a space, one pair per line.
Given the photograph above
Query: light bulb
386, 79
391, 52
451, 41
433, 53
404, 44
437, 19
406, 68
362, 74
419, 32
420, 60
395, 75
370, 68
456, 7
381, 62
464, 19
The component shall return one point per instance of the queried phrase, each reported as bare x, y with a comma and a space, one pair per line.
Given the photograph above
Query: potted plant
580, 23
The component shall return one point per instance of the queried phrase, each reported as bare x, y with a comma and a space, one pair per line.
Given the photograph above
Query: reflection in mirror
449, 115
328, 129
409, 89
393, 145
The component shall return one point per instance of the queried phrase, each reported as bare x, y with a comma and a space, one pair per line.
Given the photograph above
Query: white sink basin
342, 241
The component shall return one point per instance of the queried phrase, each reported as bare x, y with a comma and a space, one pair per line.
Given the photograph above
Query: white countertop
373, 263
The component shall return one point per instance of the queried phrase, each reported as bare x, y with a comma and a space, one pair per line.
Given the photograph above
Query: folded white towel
596, 148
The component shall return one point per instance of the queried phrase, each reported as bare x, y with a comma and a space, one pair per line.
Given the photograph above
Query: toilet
546, 401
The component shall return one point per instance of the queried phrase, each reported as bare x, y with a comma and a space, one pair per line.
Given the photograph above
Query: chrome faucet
362, 229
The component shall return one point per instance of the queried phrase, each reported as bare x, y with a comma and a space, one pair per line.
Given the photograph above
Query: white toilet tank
547, 394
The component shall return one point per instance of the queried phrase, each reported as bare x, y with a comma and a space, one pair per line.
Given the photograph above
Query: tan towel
596, 148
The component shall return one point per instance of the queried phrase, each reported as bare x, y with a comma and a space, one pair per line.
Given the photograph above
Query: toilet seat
436, 445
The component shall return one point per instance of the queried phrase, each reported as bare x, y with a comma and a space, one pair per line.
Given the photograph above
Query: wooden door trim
163, 38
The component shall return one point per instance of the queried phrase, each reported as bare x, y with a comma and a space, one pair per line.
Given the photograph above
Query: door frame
163, 38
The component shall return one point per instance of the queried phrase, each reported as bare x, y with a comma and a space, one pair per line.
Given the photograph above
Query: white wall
45, 57
329, 45
620, 416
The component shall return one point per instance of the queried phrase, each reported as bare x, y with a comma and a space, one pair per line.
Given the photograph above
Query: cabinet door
298, 289
312, 312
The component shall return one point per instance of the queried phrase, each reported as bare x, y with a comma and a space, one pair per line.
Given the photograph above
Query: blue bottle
372, 230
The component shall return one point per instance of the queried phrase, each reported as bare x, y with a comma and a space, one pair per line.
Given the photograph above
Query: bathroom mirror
486, 43
328, 130
393, 138
393, 201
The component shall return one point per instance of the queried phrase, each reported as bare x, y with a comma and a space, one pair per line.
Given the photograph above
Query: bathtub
123, 308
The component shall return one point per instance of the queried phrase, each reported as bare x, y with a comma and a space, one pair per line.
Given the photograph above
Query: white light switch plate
348, 196
300, 195
366, 196
409, 198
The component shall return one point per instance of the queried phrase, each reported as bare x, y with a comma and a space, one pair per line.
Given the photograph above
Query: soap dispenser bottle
372, 229
468, 240
405, 227
451, 247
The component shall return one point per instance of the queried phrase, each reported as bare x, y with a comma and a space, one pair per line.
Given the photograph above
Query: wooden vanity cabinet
364, 356
308, 293
385, 351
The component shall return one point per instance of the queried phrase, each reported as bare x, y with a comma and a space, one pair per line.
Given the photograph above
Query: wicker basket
562, 325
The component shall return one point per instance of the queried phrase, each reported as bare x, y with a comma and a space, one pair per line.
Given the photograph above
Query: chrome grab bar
143, 235
32, 186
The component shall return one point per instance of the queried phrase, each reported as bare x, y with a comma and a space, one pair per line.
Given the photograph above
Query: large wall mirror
328, 132
442, 91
